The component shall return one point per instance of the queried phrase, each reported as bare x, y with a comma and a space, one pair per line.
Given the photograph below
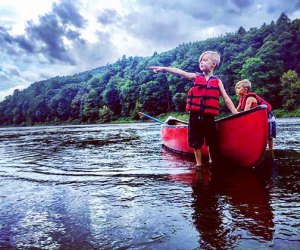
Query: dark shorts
202, 129
272, 125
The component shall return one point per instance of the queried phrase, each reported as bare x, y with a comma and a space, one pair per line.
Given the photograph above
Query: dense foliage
268, 56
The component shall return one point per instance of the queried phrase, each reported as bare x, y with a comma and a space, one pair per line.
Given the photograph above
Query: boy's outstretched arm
175, 71
227, 100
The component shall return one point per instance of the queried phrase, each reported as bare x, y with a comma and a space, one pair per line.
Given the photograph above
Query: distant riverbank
283, 113
279, 113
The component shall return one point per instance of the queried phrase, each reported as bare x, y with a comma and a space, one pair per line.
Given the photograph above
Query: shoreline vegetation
279, 113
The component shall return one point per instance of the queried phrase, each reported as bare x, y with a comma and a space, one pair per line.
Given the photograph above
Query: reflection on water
113, 186
235, 206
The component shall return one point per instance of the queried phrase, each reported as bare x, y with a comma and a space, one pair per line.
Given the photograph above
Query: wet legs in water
198, 156
270, 143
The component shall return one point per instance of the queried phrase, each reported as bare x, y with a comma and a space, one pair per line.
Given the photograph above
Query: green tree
90, 106
128, 97
179, 101
252, 70
41, 109
272, 69
154, 98
111, 98
105, 114
290, 92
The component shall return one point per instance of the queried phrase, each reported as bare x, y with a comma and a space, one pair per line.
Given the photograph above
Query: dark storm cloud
108, 16
243, 3
279, 7
4, 36
69, 14
25, 44
74, 36
46, 37
8, 43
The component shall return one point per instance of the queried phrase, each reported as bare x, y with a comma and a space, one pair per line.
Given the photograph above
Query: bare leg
198, 156
270, 143
271, 146
209, 156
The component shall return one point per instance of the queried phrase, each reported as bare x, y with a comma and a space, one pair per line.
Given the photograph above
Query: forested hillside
268, 56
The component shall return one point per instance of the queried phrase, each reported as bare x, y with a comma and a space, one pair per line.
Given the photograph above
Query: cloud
108, 16
53, 45
164, 30
7, 74
280, 6
69, 14
3, 78
6, 41
24, 43
55, 31
243, 3
49, 36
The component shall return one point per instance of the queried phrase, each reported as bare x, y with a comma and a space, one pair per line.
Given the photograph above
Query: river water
115, 187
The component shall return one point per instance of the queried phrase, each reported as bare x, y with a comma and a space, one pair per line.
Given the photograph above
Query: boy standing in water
202, 102
250, 100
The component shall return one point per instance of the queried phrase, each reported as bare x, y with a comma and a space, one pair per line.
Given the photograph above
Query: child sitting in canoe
250, 100
202, 102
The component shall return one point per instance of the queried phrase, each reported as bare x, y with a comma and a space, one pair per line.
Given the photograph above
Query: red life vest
260, 101
204, 95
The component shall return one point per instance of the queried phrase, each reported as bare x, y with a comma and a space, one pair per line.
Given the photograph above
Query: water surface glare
115, 187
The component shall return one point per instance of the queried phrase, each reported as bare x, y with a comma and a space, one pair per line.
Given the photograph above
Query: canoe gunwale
174, 126
232, 116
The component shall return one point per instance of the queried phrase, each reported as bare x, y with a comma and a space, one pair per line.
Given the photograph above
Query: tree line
268, 56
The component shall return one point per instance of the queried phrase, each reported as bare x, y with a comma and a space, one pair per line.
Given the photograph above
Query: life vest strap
201, 105
203, 97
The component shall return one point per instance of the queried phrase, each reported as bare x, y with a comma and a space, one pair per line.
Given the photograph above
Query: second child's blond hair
213, 56
244, 83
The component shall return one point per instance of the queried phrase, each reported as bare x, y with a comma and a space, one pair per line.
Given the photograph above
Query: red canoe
242, 138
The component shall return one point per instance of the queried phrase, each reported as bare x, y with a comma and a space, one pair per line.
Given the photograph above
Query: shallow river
115, 187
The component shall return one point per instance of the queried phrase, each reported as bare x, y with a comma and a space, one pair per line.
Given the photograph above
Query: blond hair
213, 56
244, 83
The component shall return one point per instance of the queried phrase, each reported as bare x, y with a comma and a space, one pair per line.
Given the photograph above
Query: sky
41, 39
